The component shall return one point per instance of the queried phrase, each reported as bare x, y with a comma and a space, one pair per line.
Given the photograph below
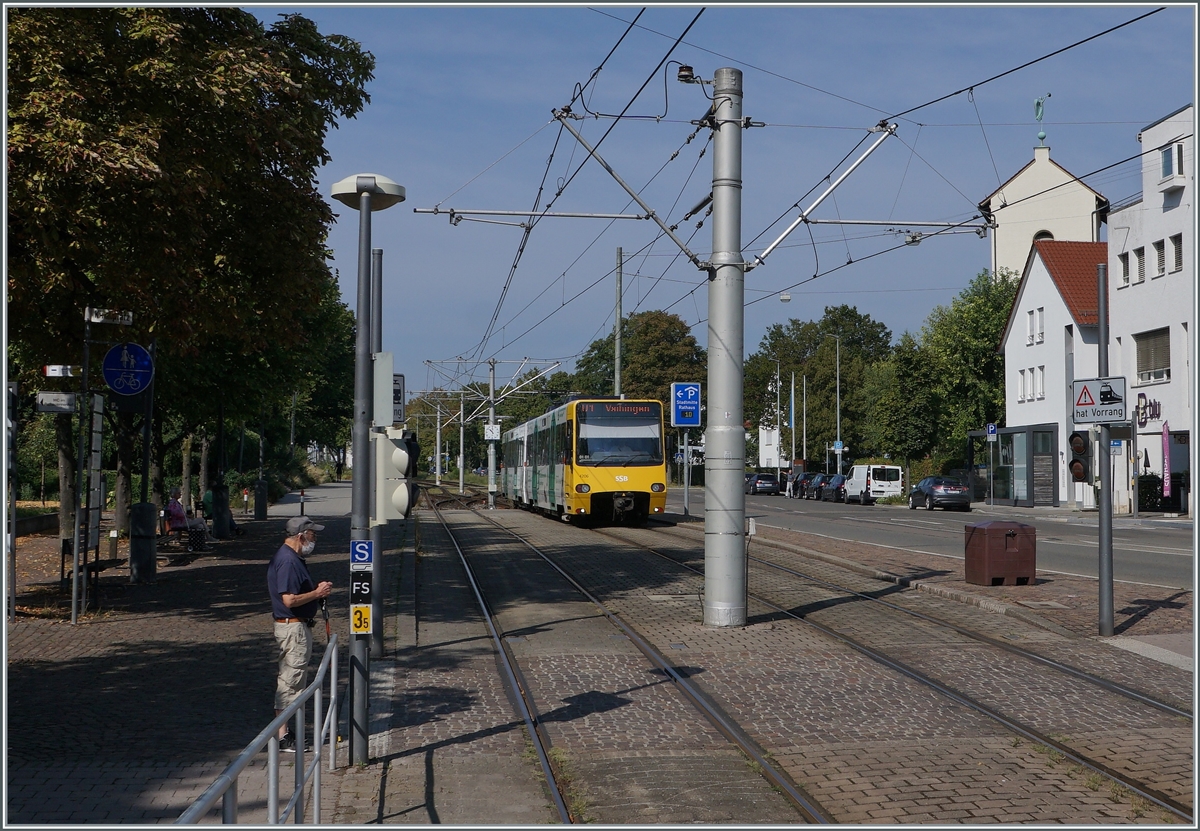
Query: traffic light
395, 473
1080, 465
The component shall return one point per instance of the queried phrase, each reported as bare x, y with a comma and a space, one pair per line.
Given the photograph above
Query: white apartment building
1051, 336
1152, 301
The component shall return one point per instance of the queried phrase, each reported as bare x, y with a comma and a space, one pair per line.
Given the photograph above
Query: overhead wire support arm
455, 214
882, 127
562, 116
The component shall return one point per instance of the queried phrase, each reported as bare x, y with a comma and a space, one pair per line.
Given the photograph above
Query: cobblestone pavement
129, 715
126, 717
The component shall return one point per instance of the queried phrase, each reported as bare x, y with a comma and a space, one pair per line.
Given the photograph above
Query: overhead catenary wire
534, 221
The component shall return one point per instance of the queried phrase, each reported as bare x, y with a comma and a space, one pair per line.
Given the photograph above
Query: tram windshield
617, 433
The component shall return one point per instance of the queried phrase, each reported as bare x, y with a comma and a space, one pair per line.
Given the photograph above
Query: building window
1029, 327
1172, 161
1160, 258
1041, 324
1124, 260
1021, 385
1177, 252
1041, 382
1139, 254
1153, 356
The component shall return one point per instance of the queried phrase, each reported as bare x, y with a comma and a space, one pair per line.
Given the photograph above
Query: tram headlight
658, 487
583, 488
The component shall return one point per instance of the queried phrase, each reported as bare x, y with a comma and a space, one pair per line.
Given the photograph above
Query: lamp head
384, 192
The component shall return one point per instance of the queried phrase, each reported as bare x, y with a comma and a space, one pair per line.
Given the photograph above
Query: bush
1149, 492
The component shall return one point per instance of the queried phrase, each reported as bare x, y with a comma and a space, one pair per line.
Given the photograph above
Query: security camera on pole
366, 192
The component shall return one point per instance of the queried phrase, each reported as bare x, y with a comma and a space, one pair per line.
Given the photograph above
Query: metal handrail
225, 785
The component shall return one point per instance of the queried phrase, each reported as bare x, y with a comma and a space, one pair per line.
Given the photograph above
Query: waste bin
1001, 554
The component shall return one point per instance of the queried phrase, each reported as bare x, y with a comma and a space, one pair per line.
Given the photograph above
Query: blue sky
461, 116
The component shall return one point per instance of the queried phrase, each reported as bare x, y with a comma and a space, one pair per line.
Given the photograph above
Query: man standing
294, 604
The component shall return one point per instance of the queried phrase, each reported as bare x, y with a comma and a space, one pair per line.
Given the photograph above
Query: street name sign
685, 404
1099, 401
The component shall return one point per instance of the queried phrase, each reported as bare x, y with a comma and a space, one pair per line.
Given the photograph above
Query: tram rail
805, 806
1123, 778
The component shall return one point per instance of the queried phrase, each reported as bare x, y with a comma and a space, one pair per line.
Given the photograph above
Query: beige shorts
295, 651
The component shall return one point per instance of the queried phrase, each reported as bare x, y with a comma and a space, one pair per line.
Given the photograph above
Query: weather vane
1039, 109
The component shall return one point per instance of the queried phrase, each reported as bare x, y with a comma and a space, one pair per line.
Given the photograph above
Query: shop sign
1147, 409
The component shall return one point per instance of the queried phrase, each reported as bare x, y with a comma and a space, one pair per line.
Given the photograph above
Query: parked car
834, 489
867, 483
762, 483
940, 492
812, 490
800, 482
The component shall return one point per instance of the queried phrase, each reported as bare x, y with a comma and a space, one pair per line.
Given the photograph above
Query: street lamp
366, 192
838, 365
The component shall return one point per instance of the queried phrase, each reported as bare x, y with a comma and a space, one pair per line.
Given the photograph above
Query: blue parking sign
685, 404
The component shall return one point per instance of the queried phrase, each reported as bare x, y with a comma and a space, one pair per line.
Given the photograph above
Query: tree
899, 398
807, 349
962, 342
163, 160
657, 349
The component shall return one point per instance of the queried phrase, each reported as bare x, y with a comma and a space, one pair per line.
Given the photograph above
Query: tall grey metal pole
792, 423
804, 411
85, 421
361, 478
378, 526
462, 453
437, 470
838, 367
778, 425
725, 442
617, 332
491, 426
1104, 462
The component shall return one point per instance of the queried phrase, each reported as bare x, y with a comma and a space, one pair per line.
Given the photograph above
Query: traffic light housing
1080, 466
396, 453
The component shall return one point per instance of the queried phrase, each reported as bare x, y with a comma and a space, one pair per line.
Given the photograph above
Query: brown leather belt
308, 622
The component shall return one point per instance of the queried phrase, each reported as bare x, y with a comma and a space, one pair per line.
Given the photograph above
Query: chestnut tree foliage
163, 161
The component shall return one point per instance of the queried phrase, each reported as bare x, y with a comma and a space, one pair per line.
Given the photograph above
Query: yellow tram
597, 459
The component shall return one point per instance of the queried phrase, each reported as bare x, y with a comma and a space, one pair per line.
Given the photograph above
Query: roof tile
1072, 266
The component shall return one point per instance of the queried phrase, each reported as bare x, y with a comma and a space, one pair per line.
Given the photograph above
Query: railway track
525, 694
822, 603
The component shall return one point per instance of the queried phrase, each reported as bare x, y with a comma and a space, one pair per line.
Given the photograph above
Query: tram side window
560, 443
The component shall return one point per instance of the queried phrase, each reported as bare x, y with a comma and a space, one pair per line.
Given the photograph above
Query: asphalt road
1159, 553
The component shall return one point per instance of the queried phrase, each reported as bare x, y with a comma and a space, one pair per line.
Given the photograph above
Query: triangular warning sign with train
1085, 399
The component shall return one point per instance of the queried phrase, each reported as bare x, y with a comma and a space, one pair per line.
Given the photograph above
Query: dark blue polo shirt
288, 574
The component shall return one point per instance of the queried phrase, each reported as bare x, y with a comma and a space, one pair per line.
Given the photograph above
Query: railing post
333, 708
298, 732
229, 805
273, 780
318, 725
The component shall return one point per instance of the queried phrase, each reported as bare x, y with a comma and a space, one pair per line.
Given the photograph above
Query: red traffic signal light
1081, 451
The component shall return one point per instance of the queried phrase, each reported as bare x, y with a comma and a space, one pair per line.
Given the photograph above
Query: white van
867, 483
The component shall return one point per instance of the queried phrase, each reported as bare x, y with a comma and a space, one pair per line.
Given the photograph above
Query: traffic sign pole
1105, 501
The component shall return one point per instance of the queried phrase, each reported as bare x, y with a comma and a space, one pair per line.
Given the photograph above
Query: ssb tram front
591, 459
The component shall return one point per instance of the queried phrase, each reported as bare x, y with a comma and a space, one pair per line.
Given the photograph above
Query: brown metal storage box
1001, 554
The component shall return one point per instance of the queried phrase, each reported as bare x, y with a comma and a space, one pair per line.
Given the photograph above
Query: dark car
812, 490
762, 483
800, 481
940, 492
834, 489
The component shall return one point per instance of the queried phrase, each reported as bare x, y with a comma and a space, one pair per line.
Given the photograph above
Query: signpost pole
687, 472
1105, 465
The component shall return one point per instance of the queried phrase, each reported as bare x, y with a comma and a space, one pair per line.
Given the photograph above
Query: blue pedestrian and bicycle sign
685, 404
128, 369
362, 553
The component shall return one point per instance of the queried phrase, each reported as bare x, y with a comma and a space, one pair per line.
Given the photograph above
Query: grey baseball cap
299, 524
